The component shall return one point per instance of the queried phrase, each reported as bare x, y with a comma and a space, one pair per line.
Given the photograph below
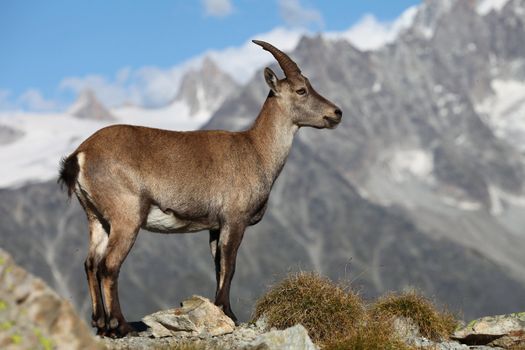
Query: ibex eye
301, 91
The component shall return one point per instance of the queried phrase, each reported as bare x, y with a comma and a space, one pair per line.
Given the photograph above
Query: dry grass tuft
337, 318
432, 323
377, 333
325, 309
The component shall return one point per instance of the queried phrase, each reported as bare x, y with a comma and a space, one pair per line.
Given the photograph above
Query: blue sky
44, 42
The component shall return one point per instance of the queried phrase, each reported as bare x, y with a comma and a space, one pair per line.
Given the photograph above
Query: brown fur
200, 180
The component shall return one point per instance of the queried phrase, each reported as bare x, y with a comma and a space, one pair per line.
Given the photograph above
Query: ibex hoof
100, 324
231, 315
121, 331
113, 323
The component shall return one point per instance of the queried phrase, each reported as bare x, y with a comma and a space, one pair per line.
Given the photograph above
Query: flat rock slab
502, 330
295, 337
198, 316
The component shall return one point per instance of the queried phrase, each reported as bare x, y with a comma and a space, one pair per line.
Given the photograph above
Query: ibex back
131, 177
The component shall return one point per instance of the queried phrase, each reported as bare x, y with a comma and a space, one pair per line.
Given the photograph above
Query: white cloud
33, 100
217, 8
370, 34
242, 62
5, 100
146, 86
295, 15
153, 86
104, 89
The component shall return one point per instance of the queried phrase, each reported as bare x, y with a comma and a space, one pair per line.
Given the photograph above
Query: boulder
295, 337
406, 328
198, 316
503, 331
32, 316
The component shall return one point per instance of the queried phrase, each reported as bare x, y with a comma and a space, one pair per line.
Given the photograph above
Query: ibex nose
338, 113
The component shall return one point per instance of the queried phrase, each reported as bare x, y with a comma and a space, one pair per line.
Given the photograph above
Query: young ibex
131, 177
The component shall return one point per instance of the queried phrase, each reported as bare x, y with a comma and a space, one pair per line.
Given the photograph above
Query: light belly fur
167, 222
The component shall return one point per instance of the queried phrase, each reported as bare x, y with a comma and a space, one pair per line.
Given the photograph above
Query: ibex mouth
332, 122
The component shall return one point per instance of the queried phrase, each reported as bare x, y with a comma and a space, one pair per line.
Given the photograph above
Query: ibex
131, 177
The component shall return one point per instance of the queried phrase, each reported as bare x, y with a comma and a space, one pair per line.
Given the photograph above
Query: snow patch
377, 87
371, 34
461, 205
174, 117
504, 111
49, 137
413, 162
498, 199
486, 6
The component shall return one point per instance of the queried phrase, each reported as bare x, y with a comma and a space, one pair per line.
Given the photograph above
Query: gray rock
293, 338
502, 330
409, 332
32, 316
239, 339
405, 328
198, 316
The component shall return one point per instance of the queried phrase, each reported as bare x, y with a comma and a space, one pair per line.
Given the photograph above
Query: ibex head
296, 94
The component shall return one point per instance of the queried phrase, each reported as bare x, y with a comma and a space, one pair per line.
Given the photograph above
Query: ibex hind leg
98, 240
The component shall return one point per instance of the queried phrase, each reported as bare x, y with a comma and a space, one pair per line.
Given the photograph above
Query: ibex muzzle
131, 177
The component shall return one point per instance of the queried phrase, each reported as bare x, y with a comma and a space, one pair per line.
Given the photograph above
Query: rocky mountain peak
206, 88
411, 135
9, 134
87, 106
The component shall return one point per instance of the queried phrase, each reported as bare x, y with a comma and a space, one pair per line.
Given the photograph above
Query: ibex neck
272, 135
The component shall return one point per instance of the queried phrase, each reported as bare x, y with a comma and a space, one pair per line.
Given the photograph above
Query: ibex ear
271, 79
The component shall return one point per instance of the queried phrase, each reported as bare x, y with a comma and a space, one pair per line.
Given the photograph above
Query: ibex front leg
214, 243
225, 257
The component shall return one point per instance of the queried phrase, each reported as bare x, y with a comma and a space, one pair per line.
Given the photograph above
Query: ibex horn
288, 66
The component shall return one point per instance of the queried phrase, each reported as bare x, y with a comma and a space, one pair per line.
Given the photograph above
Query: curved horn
288, 66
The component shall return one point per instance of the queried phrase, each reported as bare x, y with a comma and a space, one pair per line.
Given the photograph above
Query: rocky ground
198, 321
32, 316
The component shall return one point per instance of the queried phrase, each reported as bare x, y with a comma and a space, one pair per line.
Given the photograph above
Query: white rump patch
101, 244
81, 158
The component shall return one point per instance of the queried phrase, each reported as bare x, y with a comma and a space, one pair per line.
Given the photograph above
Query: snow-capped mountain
432, 134
204, 90
87, 106
32, 144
